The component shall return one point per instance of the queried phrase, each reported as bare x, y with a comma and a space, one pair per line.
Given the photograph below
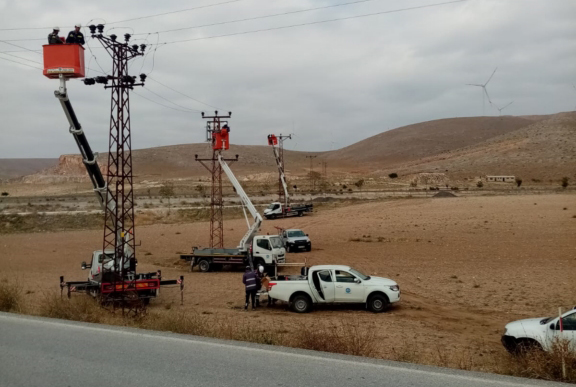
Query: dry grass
349, 338
10, 296
76, 308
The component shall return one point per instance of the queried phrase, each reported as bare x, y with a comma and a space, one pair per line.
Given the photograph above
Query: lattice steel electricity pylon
217, 133
119, 234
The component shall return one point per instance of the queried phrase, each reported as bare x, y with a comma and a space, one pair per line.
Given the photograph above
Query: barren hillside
545, 150
536, 147
425, 139
12, 168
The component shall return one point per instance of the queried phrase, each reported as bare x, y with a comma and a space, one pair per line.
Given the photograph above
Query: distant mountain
535, 147
12, 168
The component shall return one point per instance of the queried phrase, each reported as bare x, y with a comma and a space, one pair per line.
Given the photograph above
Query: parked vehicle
279, 210
334, 284
295, 240
265, 250
540, 333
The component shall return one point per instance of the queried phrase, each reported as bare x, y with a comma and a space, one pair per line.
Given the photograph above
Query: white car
540, 332
334, 284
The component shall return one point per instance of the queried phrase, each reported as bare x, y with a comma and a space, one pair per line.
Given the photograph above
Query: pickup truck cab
278, 210
295, 240
334, 284
540, 333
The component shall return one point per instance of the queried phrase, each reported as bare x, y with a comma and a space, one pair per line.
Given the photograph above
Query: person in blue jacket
76, 36
252, 284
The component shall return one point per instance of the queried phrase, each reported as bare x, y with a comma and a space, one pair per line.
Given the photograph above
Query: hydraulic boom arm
89, 157
252, 230
282, 177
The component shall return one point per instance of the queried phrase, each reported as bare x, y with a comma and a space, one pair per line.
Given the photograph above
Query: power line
23, 64
173, 103
173, 12
16, 45
185, 95
262, 17
26, 59
158, 103
316, 22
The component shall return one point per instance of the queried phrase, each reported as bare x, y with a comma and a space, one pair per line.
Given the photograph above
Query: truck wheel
300, 213
287, 248
204, 266
378, 303
309, 248
301, 304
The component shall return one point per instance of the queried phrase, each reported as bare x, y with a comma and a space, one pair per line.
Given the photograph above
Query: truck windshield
295, 234
271, 206
359, 275
276, 242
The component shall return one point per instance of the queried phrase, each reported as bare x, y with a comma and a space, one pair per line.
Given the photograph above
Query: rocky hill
13, 168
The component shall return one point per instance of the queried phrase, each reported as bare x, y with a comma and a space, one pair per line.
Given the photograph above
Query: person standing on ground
76, 36
250, 281
53, 37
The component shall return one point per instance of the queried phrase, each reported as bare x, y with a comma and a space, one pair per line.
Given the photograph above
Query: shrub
479, 184
359, 183
81, 308
10, 296
393, 175
518, 182
564, 182
5, 194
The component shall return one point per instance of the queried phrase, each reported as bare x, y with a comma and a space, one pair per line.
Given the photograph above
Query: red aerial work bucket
67, 59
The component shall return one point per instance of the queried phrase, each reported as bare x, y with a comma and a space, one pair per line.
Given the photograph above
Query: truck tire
301, 303
300, 213
287, 248
204, 265
309, 248
377, 303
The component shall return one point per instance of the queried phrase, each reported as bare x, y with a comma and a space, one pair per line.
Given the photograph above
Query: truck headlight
395, 288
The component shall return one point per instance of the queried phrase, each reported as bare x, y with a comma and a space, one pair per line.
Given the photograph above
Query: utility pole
312, 180
281, 138
119, 233
217, 133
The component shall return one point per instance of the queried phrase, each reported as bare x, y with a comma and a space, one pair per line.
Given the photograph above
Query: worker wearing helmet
53, 37
76, 36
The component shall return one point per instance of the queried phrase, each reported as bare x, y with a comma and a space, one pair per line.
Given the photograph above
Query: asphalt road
46, 352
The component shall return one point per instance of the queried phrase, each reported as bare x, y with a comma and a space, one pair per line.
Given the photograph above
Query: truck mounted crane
278, 209
265, 250
103, 263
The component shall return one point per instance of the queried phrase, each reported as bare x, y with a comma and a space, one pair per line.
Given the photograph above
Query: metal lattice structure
119, 233
214, 130
281, 195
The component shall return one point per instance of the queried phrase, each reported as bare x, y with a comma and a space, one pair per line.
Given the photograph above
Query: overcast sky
332, 84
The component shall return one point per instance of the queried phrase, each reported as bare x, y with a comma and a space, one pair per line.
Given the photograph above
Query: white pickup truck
540, 333
333, 284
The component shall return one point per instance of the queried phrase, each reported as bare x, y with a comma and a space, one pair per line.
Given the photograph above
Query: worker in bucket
53, 37
76, 36
251, 284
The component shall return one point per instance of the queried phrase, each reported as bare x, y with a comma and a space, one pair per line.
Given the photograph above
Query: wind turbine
504, 107
484, 91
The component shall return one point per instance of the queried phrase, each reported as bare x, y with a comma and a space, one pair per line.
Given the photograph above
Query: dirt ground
465, 266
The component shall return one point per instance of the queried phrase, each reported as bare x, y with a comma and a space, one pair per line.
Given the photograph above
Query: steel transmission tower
217, 133
119, 233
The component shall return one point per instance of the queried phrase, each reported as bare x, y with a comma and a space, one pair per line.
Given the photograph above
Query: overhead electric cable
185, 95
173, 103
315, 22
158, 103
261, 17
23, 64
173, 12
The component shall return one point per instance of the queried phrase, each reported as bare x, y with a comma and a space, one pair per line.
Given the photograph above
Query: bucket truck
100, 279
265, 250
283, 210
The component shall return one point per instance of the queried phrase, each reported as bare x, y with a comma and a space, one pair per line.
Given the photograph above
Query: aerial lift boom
246, 240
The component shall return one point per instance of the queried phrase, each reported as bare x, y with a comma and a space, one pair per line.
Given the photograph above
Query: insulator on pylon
100, 28
113, 37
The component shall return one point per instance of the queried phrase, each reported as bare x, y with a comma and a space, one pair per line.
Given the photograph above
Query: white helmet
56, 28
78, 25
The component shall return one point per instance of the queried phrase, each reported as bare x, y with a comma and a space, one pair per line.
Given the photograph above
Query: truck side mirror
83, 265
552, 326
307, 235
356, 280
